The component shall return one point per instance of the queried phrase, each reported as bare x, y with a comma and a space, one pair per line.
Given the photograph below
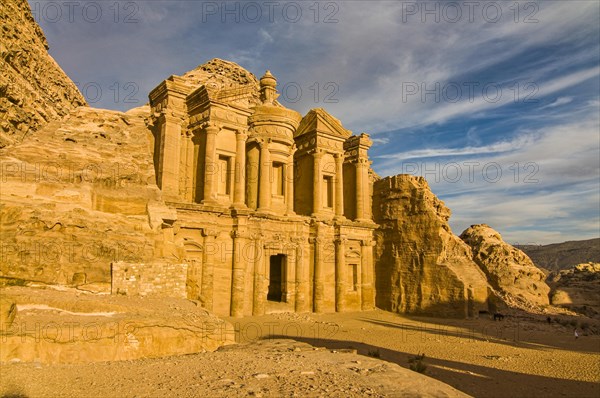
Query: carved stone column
252, 176
170, 155
259, 298
361, 186
366, 275
289, 183
318, 288
208, 268
210, 163
239, 191
368, 210
301, 277
238, 282
340, 274
339, 186
317, 182
264, 188
188, 167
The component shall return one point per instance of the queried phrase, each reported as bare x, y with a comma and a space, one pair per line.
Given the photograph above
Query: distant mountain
564, 255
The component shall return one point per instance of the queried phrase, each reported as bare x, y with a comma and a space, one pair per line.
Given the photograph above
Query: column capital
241, 131
318, 153
293, 149
341, 239
339, 156
172, 116
263, 143
209, 232
316, 240
237, 234
367, 242
211, 128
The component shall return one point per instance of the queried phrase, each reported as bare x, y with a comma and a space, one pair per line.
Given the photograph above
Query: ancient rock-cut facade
273, 210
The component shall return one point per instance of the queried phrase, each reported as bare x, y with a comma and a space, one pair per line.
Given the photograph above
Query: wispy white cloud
552, 184
369, 53
498, 147
483, 102
380, 140
558, 102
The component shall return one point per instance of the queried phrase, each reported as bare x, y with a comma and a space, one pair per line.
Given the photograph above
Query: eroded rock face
220, 74
421, 266
68, 326
509, 270
33, 88
577, 289
76, 196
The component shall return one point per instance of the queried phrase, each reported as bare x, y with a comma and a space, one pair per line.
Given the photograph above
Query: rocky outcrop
219, 74
77, 195
577, 289
421, 266
33, 88
508, 269
68, 326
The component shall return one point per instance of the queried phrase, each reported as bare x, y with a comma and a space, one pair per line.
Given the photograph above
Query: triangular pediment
320, 121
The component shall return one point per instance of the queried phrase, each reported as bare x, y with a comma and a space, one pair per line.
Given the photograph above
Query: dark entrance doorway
276, 278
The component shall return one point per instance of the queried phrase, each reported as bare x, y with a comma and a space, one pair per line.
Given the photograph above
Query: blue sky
497, 103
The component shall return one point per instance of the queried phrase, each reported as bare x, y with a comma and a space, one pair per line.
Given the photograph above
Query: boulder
508, 269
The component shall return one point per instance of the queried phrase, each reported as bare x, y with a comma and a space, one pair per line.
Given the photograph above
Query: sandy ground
521, 356
518, 357
267, 368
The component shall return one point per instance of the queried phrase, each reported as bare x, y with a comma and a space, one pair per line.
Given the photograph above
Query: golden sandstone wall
149, 279
77, 195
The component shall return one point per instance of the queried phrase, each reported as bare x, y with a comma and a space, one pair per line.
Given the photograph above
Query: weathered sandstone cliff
421, 266
33, 88
77, 195
508, 269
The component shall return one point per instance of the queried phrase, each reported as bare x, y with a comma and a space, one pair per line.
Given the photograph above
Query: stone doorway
277, 268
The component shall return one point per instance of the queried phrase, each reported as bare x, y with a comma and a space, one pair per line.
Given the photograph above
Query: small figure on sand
576, 334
